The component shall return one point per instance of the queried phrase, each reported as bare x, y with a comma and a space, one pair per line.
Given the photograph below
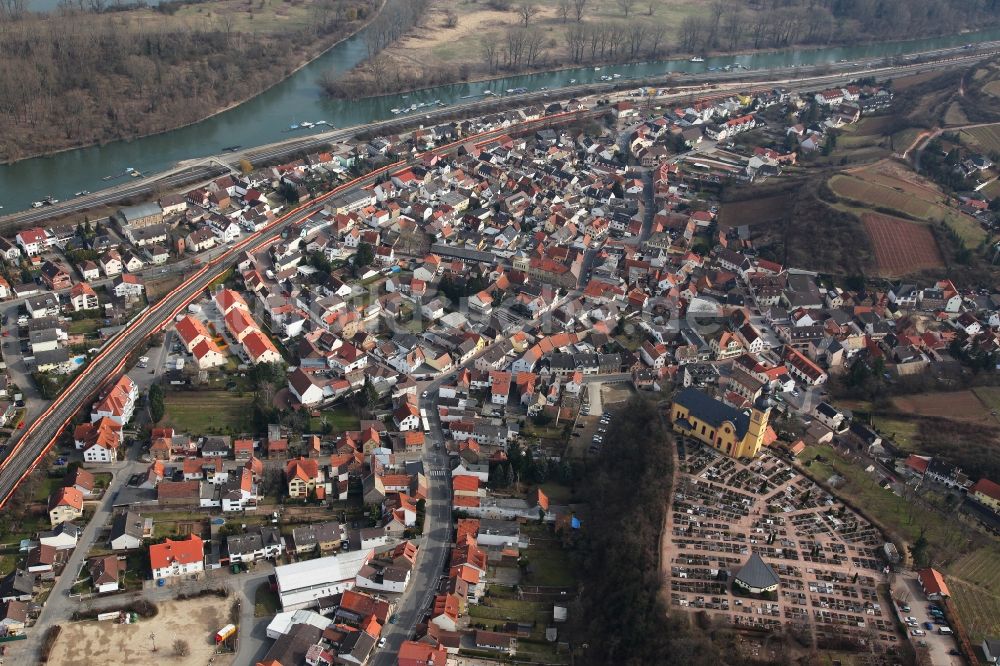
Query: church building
736, 433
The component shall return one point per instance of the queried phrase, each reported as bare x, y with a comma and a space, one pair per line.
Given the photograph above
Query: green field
911, 199
974, 582
901, 431
84, 326
990, 397
902, 518
208, 412
987, 136
339, 418
547, 561
265, 601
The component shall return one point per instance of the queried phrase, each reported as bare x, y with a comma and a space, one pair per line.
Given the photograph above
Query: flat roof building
303, 584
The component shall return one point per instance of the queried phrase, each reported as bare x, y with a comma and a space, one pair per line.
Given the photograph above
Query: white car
143, 359
381, 642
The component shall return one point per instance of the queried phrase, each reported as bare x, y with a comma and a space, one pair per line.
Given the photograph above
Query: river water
268, 117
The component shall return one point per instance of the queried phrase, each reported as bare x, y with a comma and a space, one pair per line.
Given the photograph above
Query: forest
618, 552
81, 76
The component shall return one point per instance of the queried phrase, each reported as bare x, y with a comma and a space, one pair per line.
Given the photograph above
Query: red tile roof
933, 582
986, 487
164, 554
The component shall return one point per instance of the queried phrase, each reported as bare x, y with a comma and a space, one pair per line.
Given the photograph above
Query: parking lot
827, 558
925, 619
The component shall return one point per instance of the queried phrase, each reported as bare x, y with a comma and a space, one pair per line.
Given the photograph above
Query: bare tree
526, 10
626, 6
564, 9
488, 49
576, 42
691, 33
579, 6
181, 648
716, 10
733, 25
450, 18
651, 7
657, 35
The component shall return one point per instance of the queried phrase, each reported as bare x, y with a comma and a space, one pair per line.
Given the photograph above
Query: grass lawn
901, 517
558, 493
900, 431
25, 529
137, 565
207, 412
974, 582
265, 601
990, 397
550, 431
48, 486
549, 567
84, 326
177, 524
340, 418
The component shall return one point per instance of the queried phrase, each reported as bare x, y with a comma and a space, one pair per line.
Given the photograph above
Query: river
268, 117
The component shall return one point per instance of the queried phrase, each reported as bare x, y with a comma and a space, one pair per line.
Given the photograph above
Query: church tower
760, 413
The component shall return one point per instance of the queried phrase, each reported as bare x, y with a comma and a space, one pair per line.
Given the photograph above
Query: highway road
203, 169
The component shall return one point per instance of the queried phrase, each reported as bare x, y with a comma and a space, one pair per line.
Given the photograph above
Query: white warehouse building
303, 584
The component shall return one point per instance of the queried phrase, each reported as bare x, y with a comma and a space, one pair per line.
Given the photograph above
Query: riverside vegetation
444, 41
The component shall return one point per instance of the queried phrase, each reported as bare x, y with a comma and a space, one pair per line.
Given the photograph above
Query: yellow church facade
713, 422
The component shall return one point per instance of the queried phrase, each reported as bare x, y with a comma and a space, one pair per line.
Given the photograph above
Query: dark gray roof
130, 213
711, 411
826, 410
757, 574
129, 523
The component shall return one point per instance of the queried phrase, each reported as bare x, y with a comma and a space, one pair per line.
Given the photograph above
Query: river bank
304, 55
265, 118
463, 43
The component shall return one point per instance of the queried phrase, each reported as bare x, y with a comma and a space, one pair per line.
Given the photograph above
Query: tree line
782, 23
579, 37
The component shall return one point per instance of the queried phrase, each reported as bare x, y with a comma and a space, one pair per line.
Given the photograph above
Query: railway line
25, 454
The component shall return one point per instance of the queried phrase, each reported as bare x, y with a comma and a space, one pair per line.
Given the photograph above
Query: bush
181, 648
49, 642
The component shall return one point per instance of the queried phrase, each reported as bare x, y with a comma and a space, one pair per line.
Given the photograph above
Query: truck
224, 633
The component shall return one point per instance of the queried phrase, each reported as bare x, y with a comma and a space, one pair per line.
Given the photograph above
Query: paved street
60, 607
